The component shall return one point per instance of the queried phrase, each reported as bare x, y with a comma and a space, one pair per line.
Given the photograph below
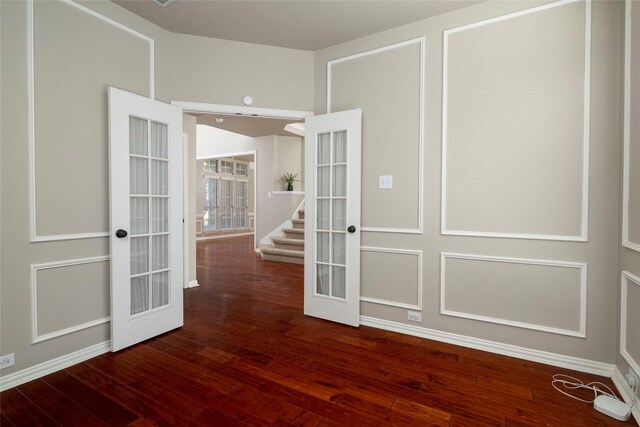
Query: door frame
208, 108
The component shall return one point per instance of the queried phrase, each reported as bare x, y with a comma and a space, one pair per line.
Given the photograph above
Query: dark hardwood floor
248, 356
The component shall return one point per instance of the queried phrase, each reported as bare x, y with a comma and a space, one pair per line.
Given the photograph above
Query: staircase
289, 247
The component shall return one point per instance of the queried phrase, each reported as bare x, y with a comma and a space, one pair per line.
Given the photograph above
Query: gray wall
629, 279
76, 57
502, 243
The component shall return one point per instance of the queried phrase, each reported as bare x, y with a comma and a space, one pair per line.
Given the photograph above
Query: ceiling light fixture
164, 3
219, 120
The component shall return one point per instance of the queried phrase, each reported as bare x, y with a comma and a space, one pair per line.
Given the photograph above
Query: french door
332, 217
146, 203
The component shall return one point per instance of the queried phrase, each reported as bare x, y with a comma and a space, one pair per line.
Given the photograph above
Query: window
241, 204
226, 198
211, 165
226, 167
241, 169
210, 222
226, 204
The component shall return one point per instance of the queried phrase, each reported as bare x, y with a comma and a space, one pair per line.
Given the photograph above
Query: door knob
351, 229
121, 234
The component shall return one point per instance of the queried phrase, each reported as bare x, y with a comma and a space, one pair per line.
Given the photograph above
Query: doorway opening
256, 141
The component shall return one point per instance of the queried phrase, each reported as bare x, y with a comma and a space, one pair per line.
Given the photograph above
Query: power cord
604, 399
571, 383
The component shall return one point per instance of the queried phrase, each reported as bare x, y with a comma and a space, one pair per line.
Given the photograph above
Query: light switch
385, 182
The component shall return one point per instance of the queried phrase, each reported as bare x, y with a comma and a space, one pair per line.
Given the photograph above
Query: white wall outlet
8, 360
385, 182
414, 316
632, 379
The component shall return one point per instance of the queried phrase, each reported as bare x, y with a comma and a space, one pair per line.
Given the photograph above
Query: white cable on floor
563, 382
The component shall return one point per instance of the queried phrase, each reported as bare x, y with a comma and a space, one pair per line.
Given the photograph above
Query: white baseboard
560, 360
192, 284
626, 392
53, 365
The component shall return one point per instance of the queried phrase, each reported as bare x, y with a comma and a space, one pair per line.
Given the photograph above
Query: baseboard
53, 365
560, 360
626, 392
223, 236
192, 284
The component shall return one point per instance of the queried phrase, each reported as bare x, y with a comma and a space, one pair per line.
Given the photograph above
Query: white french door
146, 203
332, 217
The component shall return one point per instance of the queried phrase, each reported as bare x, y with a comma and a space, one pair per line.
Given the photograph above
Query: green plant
289, 177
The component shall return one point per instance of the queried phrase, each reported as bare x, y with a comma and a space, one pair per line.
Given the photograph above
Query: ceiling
246, 125
296, 24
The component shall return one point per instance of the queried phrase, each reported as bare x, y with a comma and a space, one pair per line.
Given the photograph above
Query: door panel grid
331, 205
149, 215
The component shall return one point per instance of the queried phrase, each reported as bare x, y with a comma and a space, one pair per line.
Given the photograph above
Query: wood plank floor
248, 356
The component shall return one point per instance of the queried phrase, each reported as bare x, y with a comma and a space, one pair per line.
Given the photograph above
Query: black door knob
121, 234
351, 229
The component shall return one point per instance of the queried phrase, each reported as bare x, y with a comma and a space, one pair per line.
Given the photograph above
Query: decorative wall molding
581, 332
421, 42
626, 242
31, 133
554, 359
415, 253
53, 365
35, 268
583, 237
627, 278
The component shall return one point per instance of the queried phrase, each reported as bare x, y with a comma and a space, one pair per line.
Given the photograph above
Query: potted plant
289, 178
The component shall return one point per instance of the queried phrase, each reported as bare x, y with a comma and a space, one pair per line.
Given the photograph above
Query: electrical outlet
8, 360
414, 316
632, 379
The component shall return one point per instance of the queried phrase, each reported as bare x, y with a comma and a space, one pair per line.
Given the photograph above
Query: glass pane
323, 181
324, 148
339, 181
322, 215
160, 214
339, 214
160, 289
340, 147
160, 177
338, 248
139, 210
338, 282
323, 247
322, 284
138, 175
137, 136
160, 258
139, 255
139, 294
159, 140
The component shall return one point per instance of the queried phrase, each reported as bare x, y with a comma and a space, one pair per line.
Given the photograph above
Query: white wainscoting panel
631, 133
574, 225
630, 320
543, 295
420, 157
388, 279
31, 113
36, 303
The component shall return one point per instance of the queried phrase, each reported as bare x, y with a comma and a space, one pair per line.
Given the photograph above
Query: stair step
282, 255
298, 223
301, 213
293, 233
291, 244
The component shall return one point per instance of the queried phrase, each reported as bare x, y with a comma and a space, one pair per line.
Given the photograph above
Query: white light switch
385, 182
